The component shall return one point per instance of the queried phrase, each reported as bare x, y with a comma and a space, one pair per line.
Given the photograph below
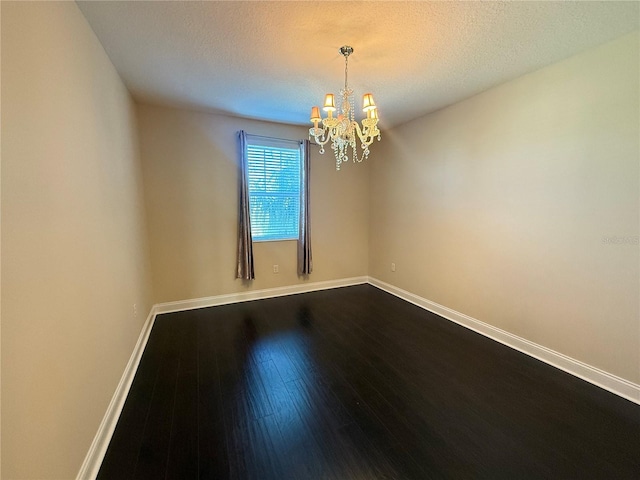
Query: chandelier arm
329, 123
320, 142
366, 138
318, 134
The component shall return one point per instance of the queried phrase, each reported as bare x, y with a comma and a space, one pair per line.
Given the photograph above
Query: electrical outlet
276, 269
393, 267
135, 309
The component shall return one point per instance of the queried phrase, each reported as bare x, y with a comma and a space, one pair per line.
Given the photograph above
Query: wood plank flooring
353, 383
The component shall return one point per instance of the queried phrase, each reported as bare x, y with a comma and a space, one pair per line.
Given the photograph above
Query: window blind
274, 189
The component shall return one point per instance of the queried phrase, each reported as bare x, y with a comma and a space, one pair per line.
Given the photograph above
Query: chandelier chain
346, 70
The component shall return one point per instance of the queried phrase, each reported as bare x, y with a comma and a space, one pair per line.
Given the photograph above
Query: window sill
276, 240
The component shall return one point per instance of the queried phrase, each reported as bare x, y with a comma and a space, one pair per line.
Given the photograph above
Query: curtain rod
276, 138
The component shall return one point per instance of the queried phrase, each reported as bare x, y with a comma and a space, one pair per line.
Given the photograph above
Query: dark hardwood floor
353, 383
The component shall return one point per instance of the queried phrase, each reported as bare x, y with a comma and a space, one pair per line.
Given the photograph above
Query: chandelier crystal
343, 130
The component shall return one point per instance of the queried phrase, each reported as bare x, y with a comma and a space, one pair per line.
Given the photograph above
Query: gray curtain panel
245, 242
305, 262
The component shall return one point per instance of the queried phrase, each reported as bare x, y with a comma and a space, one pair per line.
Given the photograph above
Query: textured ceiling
274, 60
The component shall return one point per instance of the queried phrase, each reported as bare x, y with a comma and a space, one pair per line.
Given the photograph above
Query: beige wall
497, 207
190, 174
73, 238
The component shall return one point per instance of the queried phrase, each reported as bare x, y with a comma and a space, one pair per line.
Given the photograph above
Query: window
274, 187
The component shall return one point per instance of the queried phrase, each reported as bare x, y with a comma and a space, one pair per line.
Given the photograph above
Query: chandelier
343, 130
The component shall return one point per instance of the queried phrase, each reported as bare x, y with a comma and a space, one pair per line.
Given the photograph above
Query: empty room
320, 240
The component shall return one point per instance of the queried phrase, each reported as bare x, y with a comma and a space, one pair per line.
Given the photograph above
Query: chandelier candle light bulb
344, 131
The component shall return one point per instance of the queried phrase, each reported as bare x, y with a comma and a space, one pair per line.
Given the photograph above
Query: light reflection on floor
275, 384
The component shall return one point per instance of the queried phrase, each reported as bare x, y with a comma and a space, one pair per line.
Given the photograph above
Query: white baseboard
95, 455
600, 378
256, 295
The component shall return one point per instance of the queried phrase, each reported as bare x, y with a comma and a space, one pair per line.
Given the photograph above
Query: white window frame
254, 144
